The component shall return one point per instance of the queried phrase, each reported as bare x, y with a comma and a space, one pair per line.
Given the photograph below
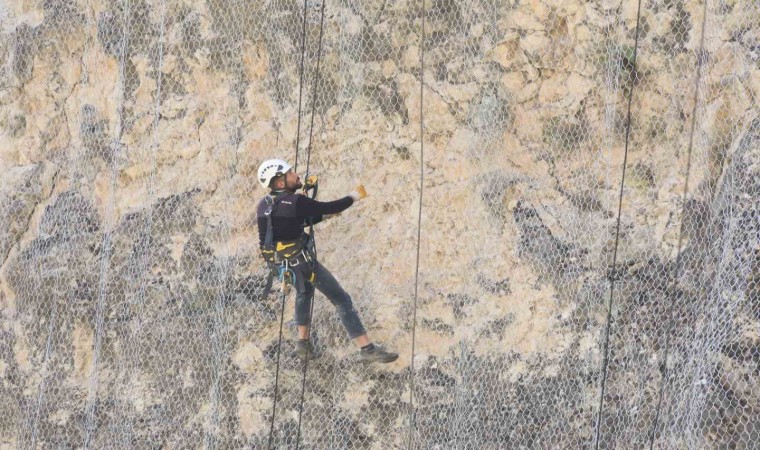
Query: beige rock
528, 124
516, 372
28, 12
140, 135
459, 94
438, 118
356, 396
545, 62
578, 87
21, 350
83, 343
9, 153
389, 69
630, 14
593, 15
477, 30
554, 89
504, 53
70, 71
583, 34
411, 57
60, 417
564, 8
255, 61
660, 24
135, 172
353, 24
653, 104
745, 15
9, 94
524, 21
250, 408
543, 10
514, 81
610, 4
653, 63
535, 43
754, 83
527, 92
248, 358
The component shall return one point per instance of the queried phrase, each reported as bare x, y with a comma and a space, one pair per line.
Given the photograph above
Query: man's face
292, 181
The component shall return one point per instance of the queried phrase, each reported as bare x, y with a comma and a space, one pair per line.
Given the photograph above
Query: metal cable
295, 167
300, 83
311, 221
277, 369
419, 230
613, 273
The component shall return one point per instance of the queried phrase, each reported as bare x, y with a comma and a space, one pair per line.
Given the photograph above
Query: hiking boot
304, 347
377, 354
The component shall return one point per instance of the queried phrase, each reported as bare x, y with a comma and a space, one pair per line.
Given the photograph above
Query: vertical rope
277, 367
311, 222
676, 270
613, 275
295, 167
419, 230
315, 83
300, 82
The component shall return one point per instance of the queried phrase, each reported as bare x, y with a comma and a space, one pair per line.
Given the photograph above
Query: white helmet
272, 168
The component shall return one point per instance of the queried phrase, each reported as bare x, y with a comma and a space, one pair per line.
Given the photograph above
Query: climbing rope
295, 167
419, 231
613, 273
311, 221
300, 83
676, 269
283, 294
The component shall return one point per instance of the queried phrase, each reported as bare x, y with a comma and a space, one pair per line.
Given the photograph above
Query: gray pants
325, 283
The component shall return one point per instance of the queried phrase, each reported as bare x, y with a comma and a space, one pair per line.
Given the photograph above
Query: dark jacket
292, 213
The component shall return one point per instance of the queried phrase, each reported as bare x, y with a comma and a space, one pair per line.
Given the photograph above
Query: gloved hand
358, 193
311, 181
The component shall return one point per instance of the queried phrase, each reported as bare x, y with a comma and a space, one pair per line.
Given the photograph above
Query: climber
282, 216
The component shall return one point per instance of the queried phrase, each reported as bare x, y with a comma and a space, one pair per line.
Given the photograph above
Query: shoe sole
381, 361
302, 357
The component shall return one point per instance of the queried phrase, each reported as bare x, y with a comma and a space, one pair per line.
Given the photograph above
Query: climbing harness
293, 252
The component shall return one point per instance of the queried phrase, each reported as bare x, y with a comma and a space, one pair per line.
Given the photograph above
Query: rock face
588, 208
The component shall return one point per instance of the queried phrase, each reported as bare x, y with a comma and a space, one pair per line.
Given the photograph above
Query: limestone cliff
131, 291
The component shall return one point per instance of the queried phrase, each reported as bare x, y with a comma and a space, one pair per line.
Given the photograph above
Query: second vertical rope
419, 229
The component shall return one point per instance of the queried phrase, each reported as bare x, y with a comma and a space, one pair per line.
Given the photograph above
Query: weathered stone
145, 243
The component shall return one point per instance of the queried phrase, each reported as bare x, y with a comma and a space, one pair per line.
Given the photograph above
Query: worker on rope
282, 216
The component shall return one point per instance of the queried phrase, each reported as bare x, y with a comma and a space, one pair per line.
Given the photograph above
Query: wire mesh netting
561, 238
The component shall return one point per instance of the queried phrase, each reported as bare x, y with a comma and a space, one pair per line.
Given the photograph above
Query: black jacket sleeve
306, 207
262, 222
312, 220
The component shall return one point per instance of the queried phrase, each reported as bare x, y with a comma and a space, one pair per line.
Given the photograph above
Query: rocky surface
131, 293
